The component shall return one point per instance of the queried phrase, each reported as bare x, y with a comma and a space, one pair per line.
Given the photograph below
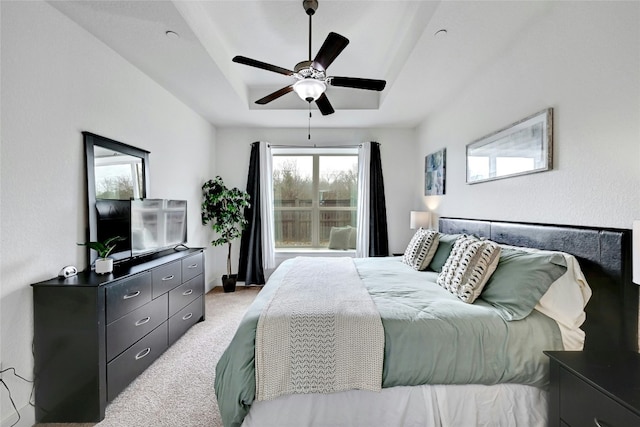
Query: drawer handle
143, 353
193, 266
187, 292
143, 321
131, 295
599, 423
187, 316
168, 277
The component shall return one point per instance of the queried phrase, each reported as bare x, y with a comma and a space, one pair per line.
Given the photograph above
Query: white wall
57, 80
397, 151
582, 59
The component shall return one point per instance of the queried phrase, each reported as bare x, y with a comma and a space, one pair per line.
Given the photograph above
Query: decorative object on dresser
594, 388
94, 334
224, 209
103, 264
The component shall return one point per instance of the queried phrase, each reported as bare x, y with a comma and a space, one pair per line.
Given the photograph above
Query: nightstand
594, 389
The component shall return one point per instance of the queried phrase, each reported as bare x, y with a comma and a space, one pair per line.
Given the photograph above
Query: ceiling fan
311, 79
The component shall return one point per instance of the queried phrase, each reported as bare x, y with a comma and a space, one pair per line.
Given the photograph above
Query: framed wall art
434, 173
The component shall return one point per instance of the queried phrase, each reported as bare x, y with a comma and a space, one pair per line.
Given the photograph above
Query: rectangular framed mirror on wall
521, 148
116, 173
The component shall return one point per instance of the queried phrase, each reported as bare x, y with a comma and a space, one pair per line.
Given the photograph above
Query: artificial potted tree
103, 263
224, 209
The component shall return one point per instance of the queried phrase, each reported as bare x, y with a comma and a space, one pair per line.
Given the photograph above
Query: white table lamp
420, 219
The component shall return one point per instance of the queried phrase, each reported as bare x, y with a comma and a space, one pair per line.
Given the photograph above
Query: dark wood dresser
590, 388
94, 334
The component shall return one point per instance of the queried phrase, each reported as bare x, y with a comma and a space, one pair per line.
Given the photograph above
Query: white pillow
421, 249
468, 268
353, 237
339, 237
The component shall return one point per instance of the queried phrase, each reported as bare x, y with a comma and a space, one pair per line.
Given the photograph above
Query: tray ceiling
391, 40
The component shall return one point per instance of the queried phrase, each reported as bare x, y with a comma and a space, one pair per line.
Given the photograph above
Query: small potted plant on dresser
104, 264
224, 209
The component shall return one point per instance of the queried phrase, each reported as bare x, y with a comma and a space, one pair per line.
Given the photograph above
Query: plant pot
229, 282
104, 265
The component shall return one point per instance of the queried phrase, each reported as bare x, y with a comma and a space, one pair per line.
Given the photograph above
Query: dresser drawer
184, 319
124, 368
128, 294
581, 405
185, 293
192, 266
166, 277
135, 325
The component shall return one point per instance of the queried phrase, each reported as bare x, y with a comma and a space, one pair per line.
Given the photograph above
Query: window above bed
314, 191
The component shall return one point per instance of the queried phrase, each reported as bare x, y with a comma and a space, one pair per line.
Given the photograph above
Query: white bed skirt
420, 406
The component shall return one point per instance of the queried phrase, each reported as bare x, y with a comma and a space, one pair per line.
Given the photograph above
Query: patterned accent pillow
471, 262
421, 249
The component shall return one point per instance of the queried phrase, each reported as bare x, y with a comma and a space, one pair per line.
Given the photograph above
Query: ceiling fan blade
329, 51
356, 83
259, 64
275, 95
324, 105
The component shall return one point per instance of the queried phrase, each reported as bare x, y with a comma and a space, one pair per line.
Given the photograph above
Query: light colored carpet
177, 390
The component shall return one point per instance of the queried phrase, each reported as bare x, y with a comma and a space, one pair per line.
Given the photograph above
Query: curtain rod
315, 146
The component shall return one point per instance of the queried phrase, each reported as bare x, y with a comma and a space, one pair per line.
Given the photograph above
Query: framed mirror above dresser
116, 173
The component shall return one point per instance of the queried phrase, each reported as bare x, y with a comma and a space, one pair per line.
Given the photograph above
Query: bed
465, 375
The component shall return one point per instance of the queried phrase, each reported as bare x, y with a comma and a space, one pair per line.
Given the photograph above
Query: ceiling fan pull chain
309, 128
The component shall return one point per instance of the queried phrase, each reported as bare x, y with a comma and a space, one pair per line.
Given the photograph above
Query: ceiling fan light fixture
310, 75
309, 89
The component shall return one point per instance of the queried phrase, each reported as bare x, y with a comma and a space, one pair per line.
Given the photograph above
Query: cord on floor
15, 408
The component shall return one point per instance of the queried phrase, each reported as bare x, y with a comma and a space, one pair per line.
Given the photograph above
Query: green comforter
431, 337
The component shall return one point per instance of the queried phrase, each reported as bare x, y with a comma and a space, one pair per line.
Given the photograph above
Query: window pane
338, 184
332, 218
292, 187
312, 194
292, 228
292, 180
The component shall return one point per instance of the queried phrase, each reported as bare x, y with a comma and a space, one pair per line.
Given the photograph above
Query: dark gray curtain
250, 268
378, 235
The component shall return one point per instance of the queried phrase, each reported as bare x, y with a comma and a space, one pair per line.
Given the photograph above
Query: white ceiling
391, 40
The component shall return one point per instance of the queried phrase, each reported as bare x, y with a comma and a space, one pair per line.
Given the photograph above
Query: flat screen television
157, 224
113, 218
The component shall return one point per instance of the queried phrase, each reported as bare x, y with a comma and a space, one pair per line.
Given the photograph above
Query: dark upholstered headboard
604, 255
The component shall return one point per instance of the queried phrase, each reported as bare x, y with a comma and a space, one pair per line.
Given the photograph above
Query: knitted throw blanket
320, 333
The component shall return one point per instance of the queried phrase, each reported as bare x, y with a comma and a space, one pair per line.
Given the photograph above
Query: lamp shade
309, 89
420, 219
635, 250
